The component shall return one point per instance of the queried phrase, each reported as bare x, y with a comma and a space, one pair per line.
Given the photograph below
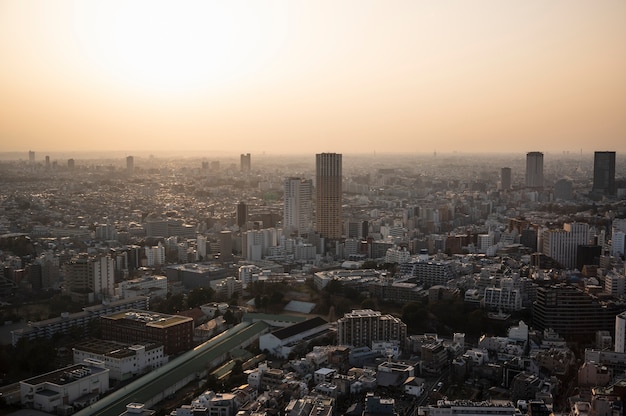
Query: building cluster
538, 235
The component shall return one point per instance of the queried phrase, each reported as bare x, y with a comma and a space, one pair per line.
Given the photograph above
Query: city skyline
359, 77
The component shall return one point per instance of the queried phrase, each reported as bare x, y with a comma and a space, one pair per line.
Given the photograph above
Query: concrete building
505, 179
603, 173
328, 187
124, 361
298, 206
173, 331
142, 286
67, 389
130, 164
245, 162
90, 278
573, 313
468, 408
534, 170
562, 245
64, 323
360, 327
242, 215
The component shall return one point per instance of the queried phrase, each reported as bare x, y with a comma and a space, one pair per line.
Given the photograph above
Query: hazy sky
313, 76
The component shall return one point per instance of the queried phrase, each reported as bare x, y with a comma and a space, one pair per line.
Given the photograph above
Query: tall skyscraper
505, 179
329, 194
130, 164
534, 170
31, 156
298, 205
226, 246
603, 173
245, 162
242, 214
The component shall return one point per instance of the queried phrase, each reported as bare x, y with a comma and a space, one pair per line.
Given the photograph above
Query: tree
199, 296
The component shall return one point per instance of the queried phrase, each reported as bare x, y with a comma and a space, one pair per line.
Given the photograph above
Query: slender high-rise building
245, 162
505, 179
298, 206
604, 173
329, 194
242, 214
130, 164
534, 170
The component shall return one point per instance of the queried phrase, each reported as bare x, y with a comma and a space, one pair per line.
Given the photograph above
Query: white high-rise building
155, 256
104, 277
562, 245
298, 206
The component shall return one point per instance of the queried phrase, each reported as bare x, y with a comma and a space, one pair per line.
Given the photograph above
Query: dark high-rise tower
604, 173
505, 179
329, 194
534, 170
242, 214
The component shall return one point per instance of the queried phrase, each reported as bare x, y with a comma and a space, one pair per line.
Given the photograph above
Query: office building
505, 179
242, 215
534, 170
70, 164
360, 328
245, 164
573, 313
130, 164
124, 361
329, 195
132, 326
603, 173
298, 206
562, 245
90, 278
31, 156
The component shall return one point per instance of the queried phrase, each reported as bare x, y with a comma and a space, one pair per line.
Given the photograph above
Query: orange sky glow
303, 77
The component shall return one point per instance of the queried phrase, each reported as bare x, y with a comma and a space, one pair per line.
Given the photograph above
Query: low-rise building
124, 361
67, 389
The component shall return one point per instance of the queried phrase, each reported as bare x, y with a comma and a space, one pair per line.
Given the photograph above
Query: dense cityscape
327, 284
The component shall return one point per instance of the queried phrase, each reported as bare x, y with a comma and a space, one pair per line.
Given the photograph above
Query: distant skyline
142, 77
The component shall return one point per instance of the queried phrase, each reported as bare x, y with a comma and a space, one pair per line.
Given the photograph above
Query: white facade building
155, 256
123, 361
502, 298
562, 245
615, 284
59, 390
298, 206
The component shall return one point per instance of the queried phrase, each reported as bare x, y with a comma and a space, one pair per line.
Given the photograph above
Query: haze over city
284, 77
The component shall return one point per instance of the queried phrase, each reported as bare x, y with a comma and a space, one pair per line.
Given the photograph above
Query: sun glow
173, 46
